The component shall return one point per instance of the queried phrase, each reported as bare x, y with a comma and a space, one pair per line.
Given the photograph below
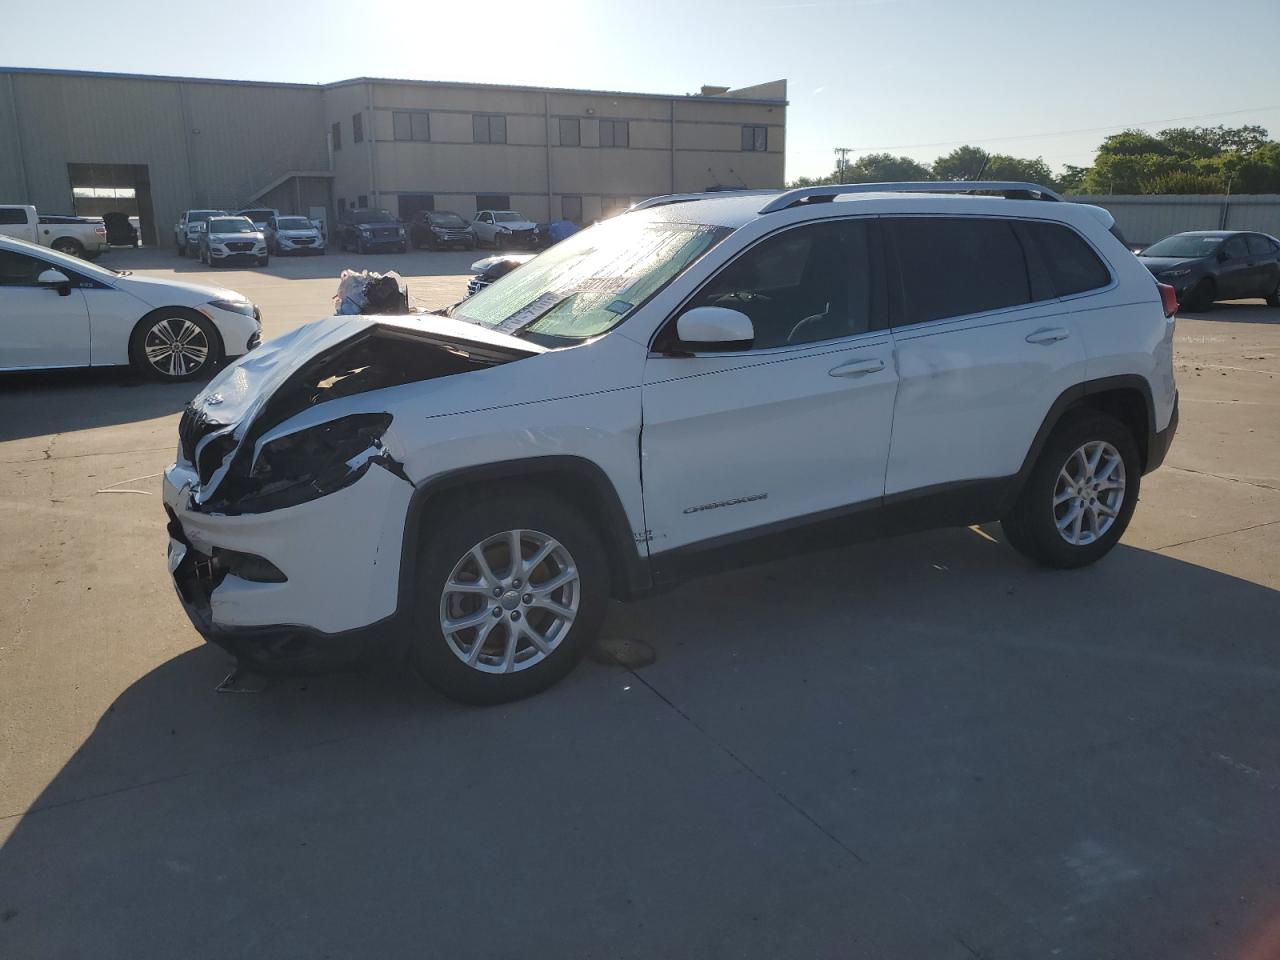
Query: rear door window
956, 266
1236, 248
1260, 246
1072, 265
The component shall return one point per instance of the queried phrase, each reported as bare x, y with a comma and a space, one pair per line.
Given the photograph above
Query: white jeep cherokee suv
699, 382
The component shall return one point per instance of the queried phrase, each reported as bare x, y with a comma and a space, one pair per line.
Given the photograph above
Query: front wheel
263, 261
1081, 493
1202, 295
511, 593
175, 344
1273, 298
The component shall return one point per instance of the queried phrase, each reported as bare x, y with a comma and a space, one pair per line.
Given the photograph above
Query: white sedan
57, 311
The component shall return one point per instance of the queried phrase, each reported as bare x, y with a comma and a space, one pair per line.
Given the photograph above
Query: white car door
794, 427
40, 325
983, 349
484, 227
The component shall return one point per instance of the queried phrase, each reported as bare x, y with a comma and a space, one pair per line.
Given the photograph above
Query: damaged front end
277, 452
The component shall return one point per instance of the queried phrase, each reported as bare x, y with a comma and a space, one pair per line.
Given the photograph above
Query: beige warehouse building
88, 143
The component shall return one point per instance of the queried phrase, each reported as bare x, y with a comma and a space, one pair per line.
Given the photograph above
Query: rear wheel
1081, 493
1202, 295
68, 245
510, 593
174, 344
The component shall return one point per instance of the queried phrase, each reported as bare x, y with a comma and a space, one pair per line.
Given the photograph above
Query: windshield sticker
531, 312
619, 307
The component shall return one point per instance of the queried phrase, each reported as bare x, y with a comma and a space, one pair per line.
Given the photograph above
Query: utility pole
842, 162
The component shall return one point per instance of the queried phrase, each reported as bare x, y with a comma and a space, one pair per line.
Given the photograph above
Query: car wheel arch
578, 481
158, 313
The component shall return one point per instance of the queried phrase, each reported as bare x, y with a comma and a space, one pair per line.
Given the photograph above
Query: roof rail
706, 195
1013, 189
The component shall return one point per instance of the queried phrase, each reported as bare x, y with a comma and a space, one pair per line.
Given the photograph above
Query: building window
571, 209
493, 201
357, 128
755, 138
614, 133
570, 132
336, 132
362, 201
411, 126
488, 128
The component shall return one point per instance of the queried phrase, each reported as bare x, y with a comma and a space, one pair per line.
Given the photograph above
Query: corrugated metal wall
205, 143
1146, 219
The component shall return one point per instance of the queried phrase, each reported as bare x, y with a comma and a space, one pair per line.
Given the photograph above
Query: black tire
469, 524
175, 316
68, 245
1031, 526
182, 251
264, 261
360, 246
1202, 295
1273, 298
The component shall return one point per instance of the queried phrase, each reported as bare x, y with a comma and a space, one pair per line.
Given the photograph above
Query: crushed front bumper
340, 555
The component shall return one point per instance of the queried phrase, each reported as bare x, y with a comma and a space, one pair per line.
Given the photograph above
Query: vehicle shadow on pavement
1236, 311
916, 747
61, 401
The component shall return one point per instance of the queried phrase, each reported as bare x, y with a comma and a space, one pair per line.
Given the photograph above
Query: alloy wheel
176, 347
510, 601
1089, 493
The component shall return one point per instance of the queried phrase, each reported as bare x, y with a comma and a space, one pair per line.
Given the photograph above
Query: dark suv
1207, 265
440, 229
366, 229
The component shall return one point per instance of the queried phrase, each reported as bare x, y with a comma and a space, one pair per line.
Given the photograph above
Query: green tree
884, 167
962, 163
1002, 167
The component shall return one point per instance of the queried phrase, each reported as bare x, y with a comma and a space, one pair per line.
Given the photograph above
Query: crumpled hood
516, 224
237, 392
1161, 264
162, 292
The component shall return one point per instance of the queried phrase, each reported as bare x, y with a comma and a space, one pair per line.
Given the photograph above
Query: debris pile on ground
366, 292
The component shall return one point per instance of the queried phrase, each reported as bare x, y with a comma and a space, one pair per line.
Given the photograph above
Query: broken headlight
318, 461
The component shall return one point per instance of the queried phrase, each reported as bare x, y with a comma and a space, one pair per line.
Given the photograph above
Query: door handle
856, 368
1048, 335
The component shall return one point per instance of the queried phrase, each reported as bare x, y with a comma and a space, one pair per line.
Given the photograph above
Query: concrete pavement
919, 747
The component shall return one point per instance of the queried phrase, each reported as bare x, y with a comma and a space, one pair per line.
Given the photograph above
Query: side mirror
715, 328
56, 280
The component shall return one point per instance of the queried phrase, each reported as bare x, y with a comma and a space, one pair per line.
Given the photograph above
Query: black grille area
384, 233
240, 246
302, 241
192, 428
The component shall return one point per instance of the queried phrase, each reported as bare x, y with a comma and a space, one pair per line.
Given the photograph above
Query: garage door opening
101, 188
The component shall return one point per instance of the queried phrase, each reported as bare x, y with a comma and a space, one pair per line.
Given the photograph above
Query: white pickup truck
84, 237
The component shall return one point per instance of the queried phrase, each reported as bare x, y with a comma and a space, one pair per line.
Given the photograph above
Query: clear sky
914, 77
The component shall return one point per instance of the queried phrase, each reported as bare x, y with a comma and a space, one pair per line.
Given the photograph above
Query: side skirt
946, 505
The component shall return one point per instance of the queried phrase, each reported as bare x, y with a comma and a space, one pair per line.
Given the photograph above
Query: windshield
446, 220
232, 225
371, 216
590, 282
506, 216
1184, 245
200, 216
294, 223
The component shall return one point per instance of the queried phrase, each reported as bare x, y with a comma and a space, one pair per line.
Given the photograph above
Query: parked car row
217, 237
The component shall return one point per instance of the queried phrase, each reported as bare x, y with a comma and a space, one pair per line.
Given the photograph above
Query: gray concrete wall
1146, 219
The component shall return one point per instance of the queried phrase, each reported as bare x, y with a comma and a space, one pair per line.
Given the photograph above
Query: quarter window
615, 133
755, 138
410, 126
803, 285
488, 128
952, 267
570, 132
357, 128
1073, 266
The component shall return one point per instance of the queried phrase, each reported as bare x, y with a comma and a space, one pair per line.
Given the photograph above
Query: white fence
1146, 219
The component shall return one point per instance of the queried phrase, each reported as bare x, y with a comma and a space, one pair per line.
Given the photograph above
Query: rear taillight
1168, 297
100, 231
